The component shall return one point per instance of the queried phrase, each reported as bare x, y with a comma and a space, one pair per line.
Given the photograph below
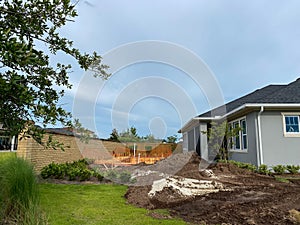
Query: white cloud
247, 44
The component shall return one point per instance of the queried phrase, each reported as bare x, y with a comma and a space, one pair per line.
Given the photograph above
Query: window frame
284, 125
242, 136
11, 141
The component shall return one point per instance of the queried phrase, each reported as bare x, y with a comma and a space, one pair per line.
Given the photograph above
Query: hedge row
77, 170
264, 169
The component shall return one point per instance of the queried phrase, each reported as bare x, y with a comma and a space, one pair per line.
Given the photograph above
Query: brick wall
99, 150
74, 150
40, 156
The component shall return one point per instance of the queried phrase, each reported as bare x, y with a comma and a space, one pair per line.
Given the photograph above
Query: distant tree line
131, 135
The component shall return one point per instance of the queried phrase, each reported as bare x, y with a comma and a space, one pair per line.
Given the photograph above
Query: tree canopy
30, 86
172, 139
131, 135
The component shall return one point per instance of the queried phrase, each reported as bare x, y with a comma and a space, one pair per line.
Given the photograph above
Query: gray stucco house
269, 118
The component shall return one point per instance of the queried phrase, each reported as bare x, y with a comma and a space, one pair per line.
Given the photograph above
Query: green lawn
5, 155
93, 204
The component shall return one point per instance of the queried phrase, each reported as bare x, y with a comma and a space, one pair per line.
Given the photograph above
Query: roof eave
259, 105
232, 112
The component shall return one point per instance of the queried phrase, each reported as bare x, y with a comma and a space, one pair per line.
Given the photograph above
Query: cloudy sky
172, 60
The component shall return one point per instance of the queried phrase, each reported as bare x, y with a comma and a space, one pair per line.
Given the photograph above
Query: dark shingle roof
270, 94
289, 94
63, 131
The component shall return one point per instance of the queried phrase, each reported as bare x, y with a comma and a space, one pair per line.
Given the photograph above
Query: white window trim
290, 134
239, 150
243, 150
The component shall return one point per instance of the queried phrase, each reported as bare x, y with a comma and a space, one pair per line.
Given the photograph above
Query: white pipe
261, 161
257, 141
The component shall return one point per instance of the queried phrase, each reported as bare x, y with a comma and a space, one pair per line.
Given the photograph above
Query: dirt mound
167, 198
175, 190
138, 196
253, 199
191, 168
195, 164
247, 205
229, 169
174, 163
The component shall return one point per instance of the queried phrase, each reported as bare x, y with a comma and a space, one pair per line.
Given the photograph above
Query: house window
244, 133
8, 143
239, 141
291, 124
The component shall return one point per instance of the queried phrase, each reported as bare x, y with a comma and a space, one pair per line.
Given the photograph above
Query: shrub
292, 169
242, 165
119, 177
19, 193
82, 163
76, 170
84, 174
111, 175
125, 177
72, 173
224, 161
53, 170
99, 176
279, 169
263, 169
250, 167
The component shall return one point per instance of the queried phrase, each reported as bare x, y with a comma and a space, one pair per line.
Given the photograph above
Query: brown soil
252, 199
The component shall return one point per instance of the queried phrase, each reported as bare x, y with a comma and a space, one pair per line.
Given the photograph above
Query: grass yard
93, 204
5, 155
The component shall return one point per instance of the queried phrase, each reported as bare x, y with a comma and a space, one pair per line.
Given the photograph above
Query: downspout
261, 161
